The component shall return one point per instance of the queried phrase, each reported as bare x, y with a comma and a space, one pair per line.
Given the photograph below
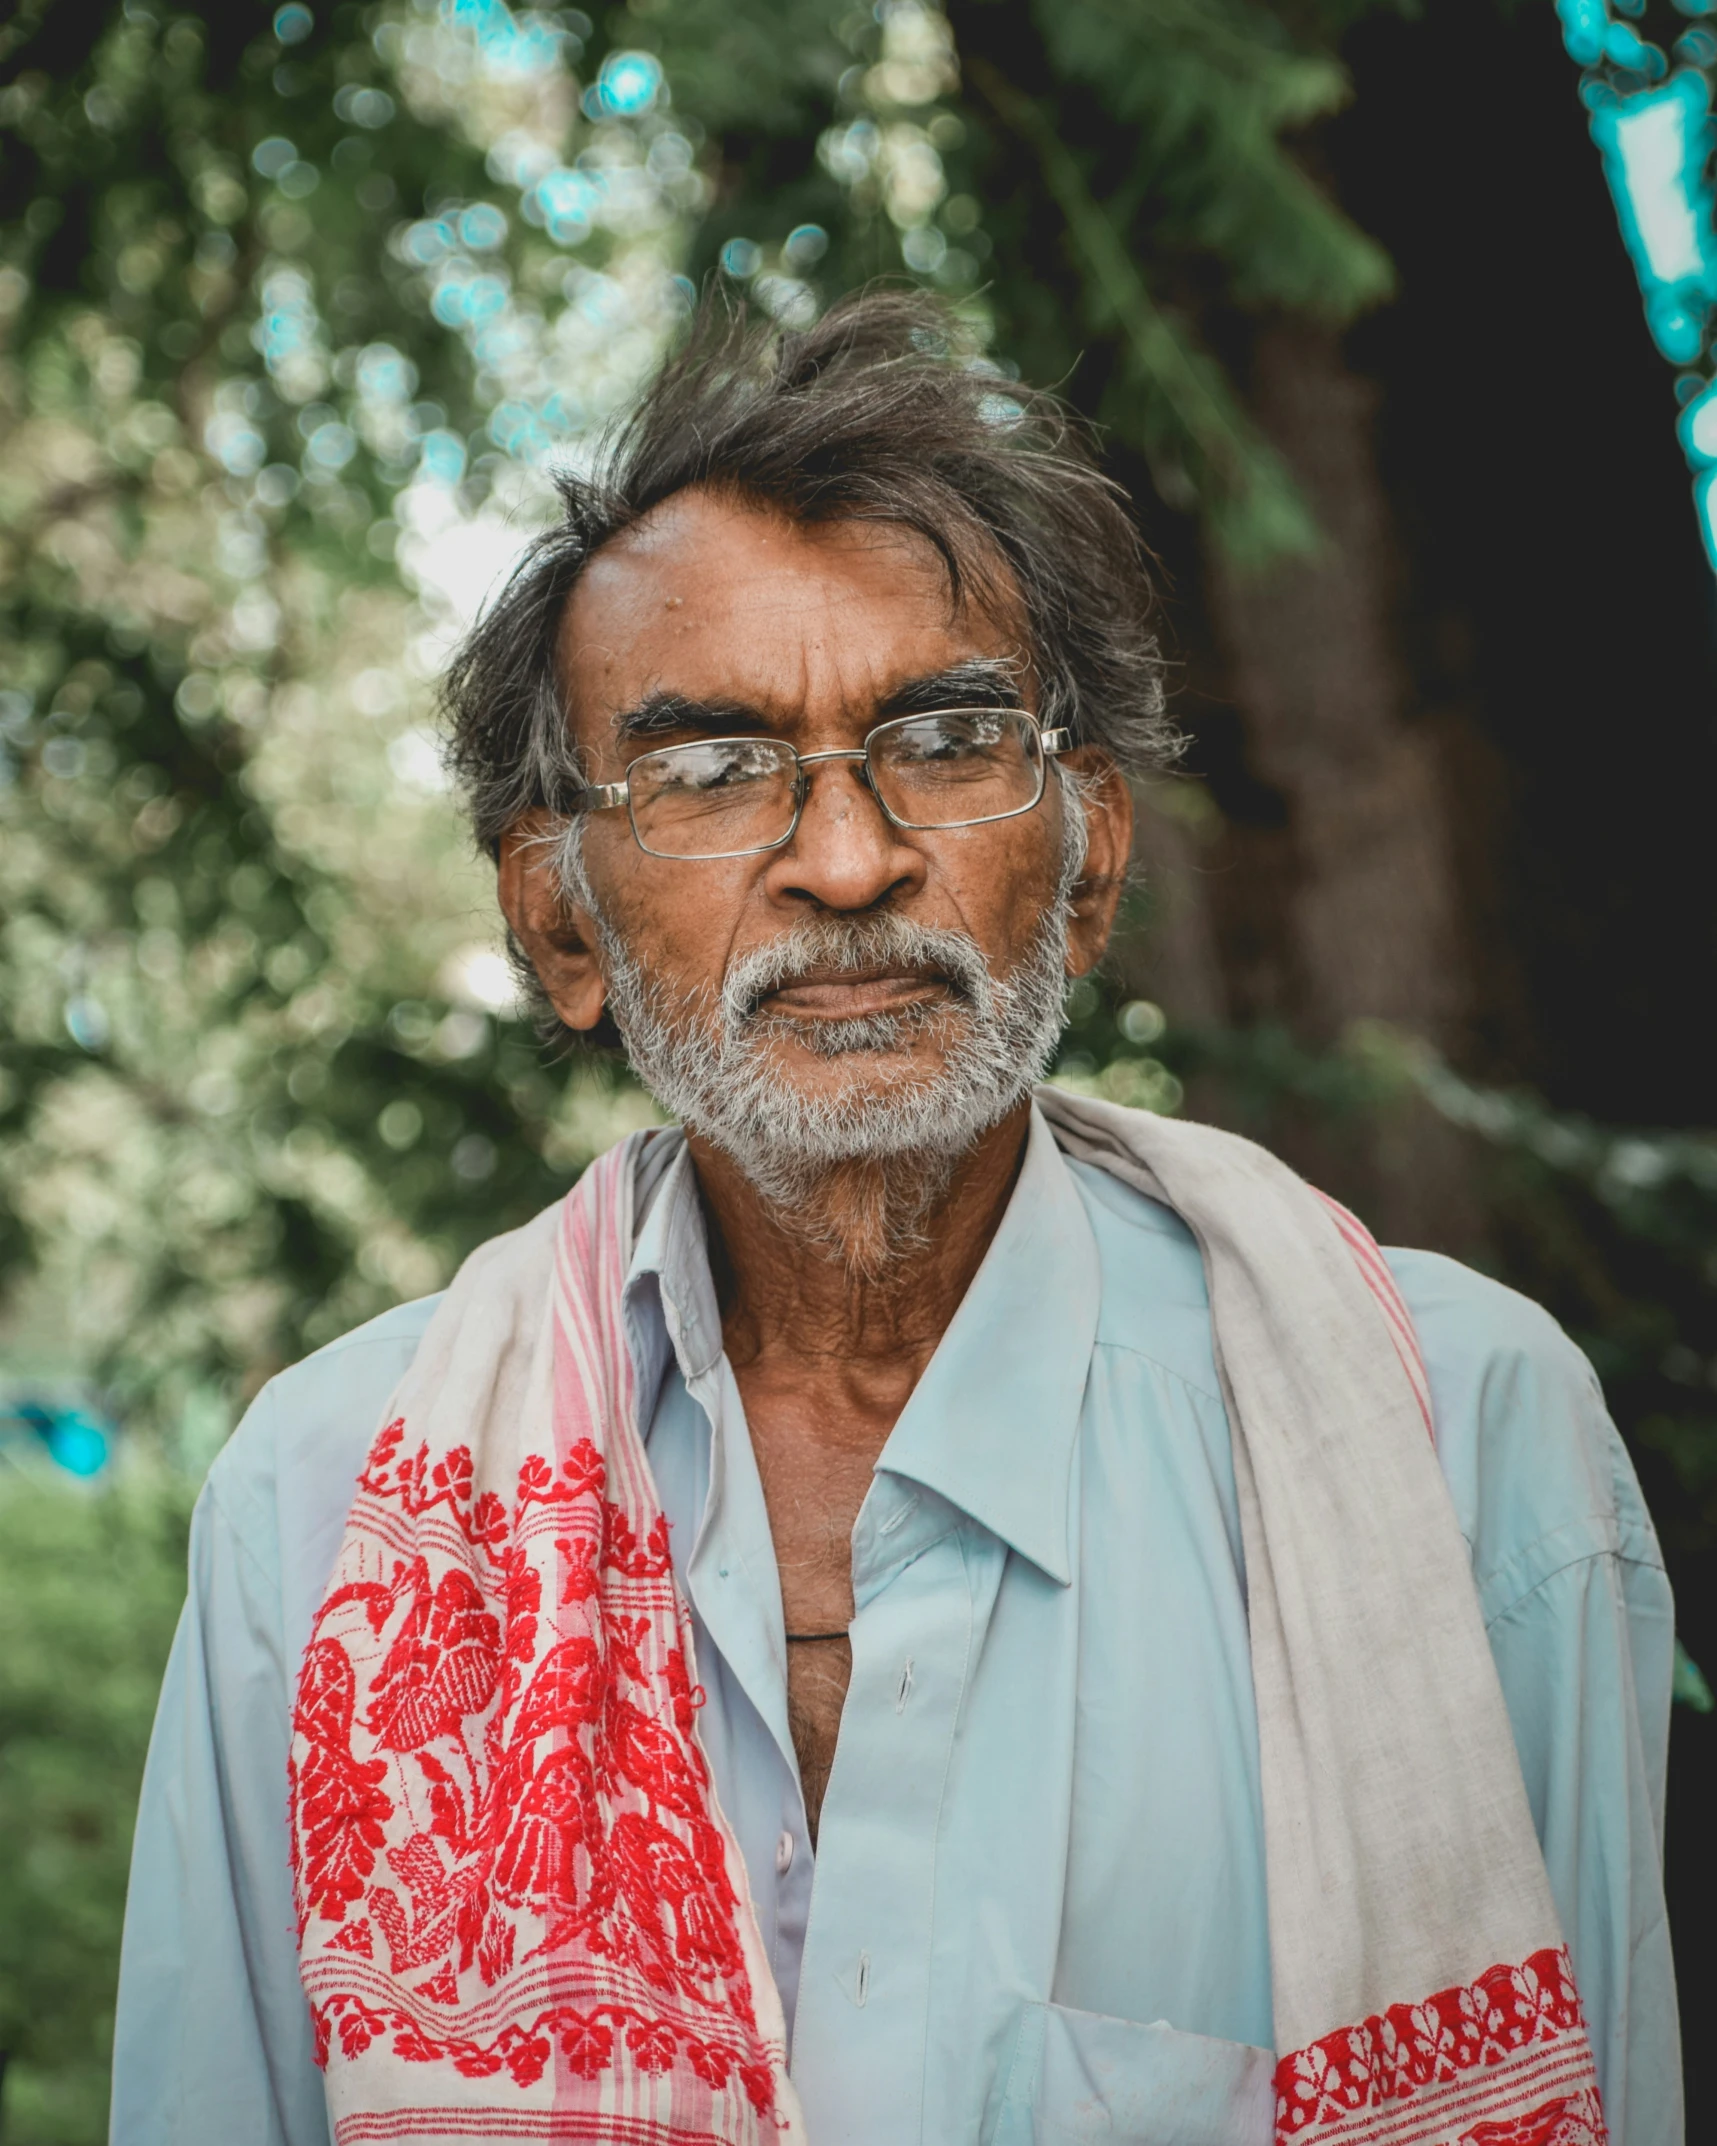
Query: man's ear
1107, 803
557, 935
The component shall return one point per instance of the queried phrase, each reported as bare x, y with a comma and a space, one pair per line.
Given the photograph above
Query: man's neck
827, 1282
826, 1342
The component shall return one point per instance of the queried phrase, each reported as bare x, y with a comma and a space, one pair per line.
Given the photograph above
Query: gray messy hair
879, 412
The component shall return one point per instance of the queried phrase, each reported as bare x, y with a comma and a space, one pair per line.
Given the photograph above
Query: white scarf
522, 1913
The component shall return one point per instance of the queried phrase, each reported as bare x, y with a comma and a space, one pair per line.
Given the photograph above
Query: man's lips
848, 994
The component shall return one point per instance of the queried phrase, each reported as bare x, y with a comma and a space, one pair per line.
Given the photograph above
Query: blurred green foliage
1108, 185
91, 1587
259, 1078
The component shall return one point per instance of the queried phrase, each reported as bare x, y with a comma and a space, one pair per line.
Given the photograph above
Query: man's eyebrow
979, 682
662, 714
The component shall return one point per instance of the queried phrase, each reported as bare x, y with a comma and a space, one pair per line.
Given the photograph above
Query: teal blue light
629, 83
1656, 139
79, 1445
1655, 145
482, 227
468, 301
511, 43
1623, 47
565, 203
1705, 500
1584, 23
75, 1440
1698, 428
441, 458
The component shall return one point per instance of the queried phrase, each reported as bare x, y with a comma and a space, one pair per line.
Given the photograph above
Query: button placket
860, 2030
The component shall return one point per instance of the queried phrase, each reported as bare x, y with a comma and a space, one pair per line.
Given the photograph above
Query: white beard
711, 1064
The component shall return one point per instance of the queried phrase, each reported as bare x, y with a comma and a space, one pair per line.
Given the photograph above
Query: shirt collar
670, 1295
992, 1423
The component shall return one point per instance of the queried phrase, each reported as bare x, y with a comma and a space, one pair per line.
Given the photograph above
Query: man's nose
845, 852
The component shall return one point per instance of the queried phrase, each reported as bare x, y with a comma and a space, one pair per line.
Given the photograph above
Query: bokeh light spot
272, 155
629, 83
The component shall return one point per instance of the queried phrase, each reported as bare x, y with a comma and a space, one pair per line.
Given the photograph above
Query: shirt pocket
1080, 2079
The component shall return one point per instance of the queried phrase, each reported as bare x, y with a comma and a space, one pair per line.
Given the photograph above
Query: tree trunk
1314, 662
1345, 909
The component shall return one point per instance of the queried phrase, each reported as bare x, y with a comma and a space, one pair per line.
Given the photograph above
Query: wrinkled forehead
724, 601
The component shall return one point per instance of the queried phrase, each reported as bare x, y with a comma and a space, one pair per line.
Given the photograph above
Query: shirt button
784, 1855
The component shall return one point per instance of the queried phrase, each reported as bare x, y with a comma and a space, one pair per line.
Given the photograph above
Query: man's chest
1041, 1781
815, 1455
1043, 1803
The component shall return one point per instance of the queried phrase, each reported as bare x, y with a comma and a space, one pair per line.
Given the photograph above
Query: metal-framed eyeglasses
736, 797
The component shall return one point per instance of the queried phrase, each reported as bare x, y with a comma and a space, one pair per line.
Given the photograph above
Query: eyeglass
735, 797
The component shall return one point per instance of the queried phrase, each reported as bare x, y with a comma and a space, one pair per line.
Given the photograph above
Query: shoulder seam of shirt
1180, 1378
1626, 1546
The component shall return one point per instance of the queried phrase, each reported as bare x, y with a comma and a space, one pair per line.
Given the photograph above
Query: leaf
1691, 1689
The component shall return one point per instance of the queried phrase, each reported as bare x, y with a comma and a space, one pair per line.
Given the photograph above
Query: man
901, 1613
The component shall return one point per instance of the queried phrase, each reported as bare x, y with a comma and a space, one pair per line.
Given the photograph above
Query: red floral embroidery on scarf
341, 1807
1507, 2039
518, 1759
1572, 2120
587, 2041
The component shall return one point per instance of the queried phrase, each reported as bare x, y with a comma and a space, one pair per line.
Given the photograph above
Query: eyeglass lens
723, 797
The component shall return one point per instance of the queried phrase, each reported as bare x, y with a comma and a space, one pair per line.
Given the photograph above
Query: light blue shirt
1036, 1910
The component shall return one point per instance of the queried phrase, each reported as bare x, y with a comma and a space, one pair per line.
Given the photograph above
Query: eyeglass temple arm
599, 797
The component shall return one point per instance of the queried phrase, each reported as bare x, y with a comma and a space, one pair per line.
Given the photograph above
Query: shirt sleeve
1581, 1624
212, 2040
1585, 1657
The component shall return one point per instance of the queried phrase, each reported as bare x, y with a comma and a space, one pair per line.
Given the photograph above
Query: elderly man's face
812, 634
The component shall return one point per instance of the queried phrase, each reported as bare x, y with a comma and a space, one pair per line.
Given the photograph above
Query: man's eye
704, 772
943, 745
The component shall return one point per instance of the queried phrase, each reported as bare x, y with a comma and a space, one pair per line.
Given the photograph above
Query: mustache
847, 945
